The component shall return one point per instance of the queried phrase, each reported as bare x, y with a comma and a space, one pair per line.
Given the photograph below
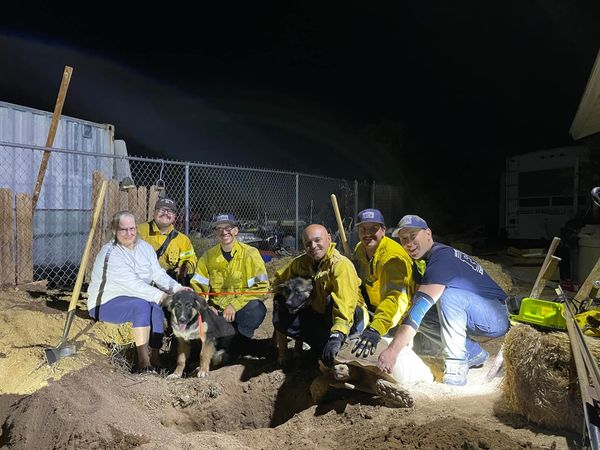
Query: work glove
367, 343
332, 347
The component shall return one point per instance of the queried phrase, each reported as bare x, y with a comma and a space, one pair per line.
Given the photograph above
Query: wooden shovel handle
98, 208
60, 101
338, 218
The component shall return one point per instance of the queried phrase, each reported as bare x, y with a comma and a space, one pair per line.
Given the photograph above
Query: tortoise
351, 372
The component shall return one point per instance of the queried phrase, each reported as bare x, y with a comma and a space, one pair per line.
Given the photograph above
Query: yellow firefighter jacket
180, 248
245, 272
334, 275
388, 280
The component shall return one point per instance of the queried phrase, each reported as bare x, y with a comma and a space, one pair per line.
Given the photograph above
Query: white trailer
543, 190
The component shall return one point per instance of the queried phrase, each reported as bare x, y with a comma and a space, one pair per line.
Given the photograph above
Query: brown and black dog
193, 320
292, 295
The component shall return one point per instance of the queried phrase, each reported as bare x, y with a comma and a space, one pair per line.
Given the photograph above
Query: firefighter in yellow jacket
231, 266
336, 308
386, 273
173, 248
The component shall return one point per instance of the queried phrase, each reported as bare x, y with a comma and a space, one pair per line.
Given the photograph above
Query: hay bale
495, 271
114, 334
540, 382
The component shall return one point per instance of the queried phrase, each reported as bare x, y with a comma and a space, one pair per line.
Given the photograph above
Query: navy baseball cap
370, 216
410, 221
166, 203
221, 218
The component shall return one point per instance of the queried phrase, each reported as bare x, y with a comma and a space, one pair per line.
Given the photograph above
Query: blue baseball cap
410, 221
370, 216
221, 218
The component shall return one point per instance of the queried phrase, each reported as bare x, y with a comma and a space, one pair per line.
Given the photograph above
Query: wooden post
24, 239
123, 201
132, 201
112, 207
142, 204
546, 273
60, 101
152, 199
553, 246
7, 238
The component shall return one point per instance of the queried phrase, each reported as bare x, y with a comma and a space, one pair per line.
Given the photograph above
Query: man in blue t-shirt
468, 303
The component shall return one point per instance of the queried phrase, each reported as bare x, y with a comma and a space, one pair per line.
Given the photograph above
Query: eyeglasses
219, 230
131, 230
170, 212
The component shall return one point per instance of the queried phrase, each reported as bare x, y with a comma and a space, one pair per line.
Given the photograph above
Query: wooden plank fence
16, 226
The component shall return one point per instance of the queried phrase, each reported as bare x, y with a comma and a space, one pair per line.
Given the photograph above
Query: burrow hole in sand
249, 394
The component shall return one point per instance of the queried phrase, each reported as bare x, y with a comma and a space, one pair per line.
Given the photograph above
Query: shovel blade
54, 354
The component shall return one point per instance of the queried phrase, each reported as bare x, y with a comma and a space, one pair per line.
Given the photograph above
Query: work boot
455, 372
478, 360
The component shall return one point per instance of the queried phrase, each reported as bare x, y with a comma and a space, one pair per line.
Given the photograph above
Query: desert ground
92, 400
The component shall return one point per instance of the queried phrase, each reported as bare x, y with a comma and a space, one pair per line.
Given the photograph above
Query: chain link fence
272, 206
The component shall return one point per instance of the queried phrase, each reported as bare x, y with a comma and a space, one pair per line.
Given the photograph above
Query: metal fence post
297, 216
187, 198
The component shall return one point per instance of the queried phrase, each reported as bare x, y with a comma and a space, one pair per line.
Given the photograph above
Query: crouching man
231, 266
174, 249
335, 307
468, 304
385, 269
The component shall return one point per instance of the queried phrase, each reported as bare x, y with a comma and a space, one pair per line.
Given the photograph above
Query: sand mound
85, 402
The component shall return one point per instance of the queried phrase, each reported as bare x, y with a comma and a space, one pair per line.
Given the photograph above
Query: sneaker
478, 360
455, 372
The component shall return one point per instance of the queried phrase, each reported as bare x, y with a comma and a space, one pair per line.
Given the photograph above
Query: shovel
62, 349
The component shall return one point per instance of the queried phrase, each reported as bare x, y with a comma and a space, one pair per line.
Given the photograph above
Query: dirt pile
86, 402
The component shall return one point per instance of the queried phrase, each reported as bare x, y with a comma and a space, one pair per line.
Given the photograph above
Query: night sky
431, 95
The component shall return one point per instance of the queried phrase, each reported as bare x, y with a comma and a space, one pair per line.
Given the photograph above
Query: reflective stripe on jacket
388, 280
129, 273
336, 276
180, 248
245, 272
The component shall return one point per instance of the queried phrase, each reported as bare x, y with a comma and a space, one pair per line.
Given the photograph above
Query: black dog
293, 295
192, 320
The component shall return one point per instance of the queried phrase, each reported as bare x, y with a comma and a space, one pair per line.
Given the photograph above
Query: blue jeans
311, 327
249, 318
140, 312
458, 316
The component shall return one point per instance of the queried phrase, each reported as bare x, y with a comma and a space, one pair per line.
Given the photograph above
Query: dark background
430, 95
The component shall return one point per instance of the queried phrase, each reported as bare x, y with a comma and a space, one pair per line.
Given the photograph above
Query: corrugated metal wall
65, 198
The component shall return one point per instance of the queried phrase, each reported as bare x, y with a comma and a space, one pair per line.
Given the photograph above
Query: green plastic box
542, 313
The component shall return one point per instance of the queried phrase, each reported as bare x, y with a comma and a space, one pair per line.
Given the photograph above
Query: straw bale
540, 381
496, 273
114, 334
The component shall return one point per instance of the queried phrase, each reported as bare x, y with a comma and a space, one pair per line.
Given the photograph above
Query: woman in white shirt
128, 285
